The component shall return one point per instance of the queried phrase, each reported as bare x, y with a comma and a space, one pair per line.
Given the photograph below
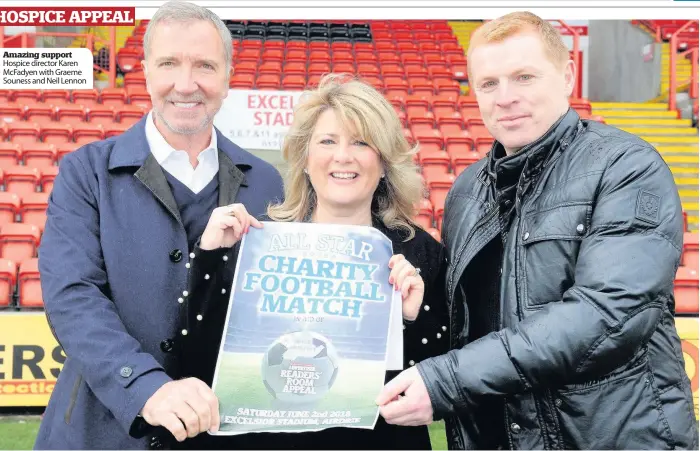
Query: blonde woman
349, 163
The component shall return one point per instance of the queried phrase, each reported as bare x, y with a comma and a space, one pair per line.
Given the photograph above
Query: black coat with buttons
586, 354
210, 279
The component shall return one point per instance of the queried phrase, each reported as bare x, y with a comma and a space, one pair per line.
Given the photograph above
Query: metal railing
578, 88
673, 82
22, 40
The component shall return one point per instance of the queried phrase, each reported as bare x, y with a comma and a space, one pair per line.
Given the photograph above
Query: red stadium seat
33, 209
21, 180
434, 163
425, 211
294, 68
23, 95
268, 82
690, 250
270, 68
87, 98
293, 82
113, 96
39, 155
484, 144
19, 242
39, 113
439, 186
296, 56
115, 129
70, 114
87, 133
458, 143
129, 114
8, 279
685, 290
23, 132
242, 81
461, 160
64, 149
138, 95
9, 207
11, 112
100, 114
249, 54
29, 284
56, 133
129, 58
134, 80
245, 67
56, 96
10, 154
48, 175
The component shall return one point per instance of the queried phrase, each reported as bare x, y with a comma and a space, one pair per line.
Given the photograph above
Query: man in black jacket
563, 246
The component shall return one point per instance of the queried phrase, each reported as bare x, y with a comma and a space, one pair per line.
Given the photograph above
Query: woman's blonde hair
362, 108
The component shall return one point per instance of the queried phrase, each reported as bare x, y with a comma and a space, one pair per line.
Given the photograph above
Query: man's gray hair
185, 12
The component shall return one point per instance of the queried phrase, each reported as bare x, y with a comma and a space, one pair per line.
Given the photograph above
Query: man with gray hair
124, 216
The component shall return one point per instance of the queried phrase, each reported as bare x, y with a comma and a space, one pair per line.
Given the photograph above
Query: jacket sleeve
75, 286
623, 282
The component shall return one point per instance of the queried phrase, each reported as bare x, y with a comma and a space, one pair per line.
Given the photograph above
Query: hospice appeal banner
307, 331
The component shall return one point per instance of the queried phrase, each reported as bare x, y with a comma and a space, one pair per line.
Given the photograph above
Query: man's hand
413, 408
185, 407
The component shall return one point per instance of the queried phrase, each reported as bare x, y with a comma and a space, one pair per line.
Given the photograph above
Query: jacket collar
131, 148
558, 137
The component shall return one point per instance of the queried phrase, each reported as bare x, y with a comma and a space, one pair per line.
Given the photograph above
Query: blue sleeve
83, 318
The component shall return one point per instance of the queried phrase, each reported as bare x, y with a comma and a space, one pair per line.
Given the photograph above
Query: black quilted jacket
588, 356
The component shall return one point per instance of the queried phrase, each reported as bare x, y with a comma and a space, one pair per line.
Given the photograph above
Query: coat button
166, 345
126, 371
515, 427
557, 402
156, 443
526, 235
175, 255
580, 229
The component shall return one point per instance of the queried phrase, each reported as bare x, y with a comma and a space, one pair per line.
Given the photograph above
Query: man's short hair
522, 22
186, 12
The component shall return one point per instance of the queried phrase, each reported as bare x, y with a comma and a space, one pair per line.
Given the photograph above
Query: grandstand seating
420, 66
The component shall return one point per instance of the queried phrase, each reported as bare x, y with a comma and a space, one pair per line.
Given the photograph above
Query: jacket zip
479, 224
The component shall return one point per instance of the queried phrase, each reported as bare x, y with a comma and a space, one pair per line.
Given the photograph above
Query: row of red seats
34, 155
24, 132
411, 67
19, 242
27, 209
416, 25
688, 38
24, 280
24, 180
47, 114
390, 84
86, 97
347, 53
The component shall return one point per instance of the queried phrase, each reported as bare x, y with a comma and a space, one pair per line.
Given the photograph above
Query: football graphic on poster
300, 367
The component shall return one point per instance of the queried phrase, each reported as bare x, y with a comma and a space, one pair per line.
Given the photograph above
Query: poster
257, 120
307, 330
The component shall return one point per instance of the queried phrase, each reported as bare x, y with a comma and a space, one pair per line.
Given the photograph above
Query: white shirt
177, 162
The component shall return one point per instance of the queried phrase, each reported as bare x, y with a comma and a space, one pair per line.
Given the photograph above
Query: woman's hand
405, 277
226, 227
